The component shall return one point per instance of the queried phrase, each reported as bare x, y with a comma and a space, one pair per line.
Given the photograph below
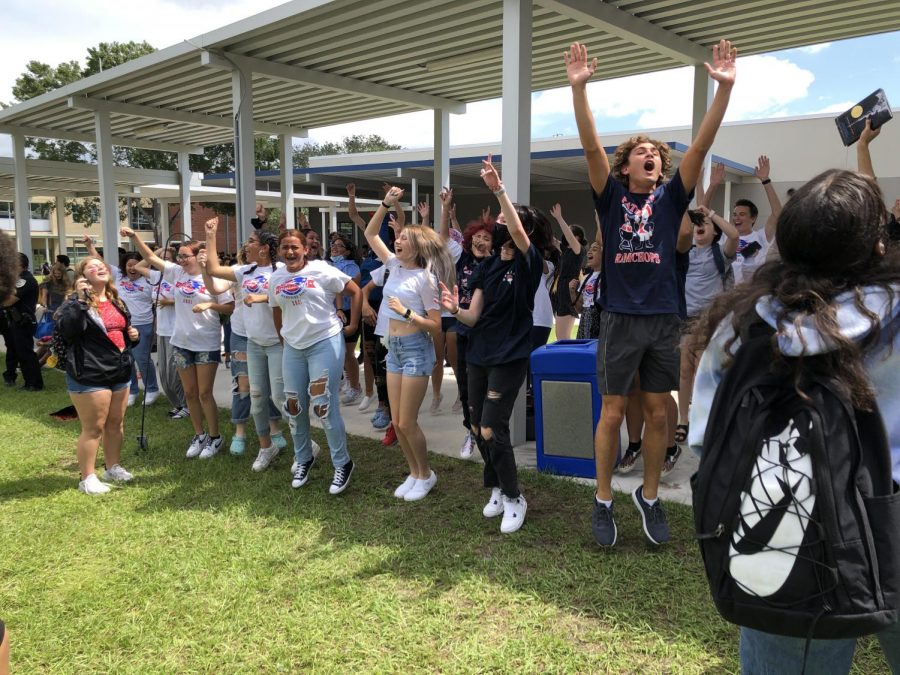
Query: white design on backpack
777, 509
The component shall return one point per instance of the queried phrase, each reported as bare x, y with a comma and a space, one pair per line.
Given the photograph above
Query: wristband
456, 312
500, 192
387, 206
767, 181
407, 314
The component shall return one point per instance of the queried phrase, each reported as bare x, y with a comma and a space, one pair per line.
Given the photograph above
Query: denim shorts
411, 355
185, 358
75, 387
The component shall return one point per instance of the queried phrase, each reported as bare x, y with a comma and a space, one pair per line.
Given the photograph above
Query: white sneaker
131, 399
513, 514
351, 396
421, 489
150, 399
457, 406
211, 447
315, 453
468, 444
265, 457
117, 473
366, 403
405, 487
196, 446
92, 486
436, 404
494, 507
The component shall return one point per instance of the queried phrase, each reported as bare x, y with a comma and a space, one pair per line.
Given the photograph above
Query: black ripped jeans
492, 394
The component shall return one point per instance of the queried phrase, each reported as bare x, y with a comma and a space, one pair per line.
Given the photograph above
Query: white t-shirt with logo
196, 332
165, 314
744, 267
137, 294
306, 299
258, 322
542, 313
589, 290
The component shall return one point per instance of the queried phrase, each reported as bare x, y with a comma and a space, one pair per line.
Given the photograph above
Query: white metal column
22, 207
332, 210
61, 224
516, 140
244, 151
441, 159
287, 179
414, 199
703, 96
184, 191
109, 201
165, 231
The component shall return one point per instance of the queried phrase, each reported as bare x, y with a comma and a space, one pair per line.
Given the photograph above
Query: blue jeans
141, 360
240, 402
767, 654
266, 383
315, 373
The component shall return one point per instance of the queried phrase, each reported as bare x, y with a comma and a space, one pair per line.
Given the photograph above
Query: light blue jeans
315, 373
767, 654
141, 358
266, 384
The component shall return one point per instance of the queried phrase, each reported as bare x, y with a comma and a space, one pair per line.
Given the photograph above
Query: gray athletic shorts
635, 343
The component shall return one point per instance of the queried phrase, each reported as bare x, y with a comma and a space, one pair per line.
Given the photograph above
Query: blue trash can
566, 406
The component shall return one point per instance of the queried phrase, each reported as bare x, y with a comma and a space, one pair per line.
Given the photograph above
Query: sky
825, 78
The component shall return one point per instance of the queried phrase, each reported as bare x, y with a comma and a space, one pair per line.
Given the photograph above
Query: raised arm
579, 70
454, 223
352, 211
88, 242
723, 72
213, 267
400, 214
598, 237
729, 231
863, 156
424, 213
378, 247
574, 244
513, 224
446, 197
762, 172
685, 234
142, 248
215, 286
716, 178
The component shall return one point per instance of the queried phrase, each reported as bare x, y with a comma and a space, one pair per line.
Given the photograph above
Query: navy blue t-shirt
465, 269
640, 231
503, 331
368, 265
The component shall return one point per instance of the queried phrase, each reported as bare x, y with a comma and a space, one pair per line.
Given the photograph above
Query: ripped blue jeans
312, 380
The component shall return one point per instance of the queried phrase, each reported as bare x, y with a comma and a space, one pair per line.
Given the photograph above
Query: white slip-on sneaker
405, 487
196, 446
92, 486
468, 444
365, 403
513, 514
494, 507
150, 399
211, 447
436, 404
117, 473
265, 457
421, 489
131, 399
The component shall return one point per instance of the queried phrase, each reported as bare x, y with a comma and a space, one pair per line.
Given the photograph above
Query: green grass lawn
204, 566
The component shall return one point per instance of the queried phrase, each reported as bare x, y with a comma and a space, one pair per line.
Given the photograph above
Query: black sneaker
301, 475
603, 525
341, 478
653, 517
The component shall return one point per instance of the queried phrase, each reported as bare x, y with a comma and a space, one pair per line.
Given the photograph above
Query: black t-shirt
640, 231
503, 331
27, 292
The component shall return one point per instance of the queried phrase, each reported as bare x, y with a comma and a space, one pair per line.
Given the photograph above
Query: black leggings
462, 376
377, 353
492, 395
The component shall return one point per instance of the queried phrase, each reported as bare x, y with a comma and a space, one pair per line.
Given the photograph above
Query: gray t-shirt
703, 281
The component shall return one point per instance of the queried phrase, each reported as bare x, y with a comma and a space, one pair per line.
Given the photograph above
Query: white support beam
244, 152
297, 74
441, 159
516, 130
121, 141
169, 115
332, 211
22, 207
109, 202
184, 189
60, 213
286, 143
414, 200
611, 19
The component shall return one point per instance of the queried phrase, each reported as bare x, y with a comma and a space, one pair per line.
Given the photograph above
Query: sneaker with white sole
405, 487
341, 478
315, 453
265, 457
131, 399
494, 507
117, 473
351, 396
211, 447
436, 404
513, 514
92, 486
456, 408
301, 473
381, 419
365, 403
196, 446
179, 414
421, 489
467, 447
150, 399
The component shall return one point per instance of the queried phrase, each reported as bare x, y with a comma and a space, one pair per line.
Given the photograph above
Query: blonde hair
432, 253
111, 293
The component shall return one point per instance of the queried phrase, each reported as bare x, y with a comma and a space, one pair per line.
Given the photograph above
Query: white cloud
814, 49
833, 108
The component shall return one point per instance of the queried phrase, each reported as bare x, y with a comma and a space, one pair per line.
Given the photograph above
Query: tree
350, 144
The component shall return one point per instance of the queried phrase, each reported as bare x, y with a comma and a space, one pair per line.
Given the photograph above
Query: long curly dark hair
831, 235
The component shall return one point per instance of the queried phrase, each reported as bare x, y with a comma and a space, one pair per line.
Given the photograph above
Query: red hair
474, 227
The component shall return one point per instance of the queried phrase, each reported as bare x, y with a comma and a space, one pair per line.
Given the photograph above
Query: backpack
726, 271
795, 509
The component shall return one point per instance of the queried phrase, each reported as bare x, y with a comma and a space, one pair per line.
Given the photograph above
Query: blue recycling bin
566, 406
